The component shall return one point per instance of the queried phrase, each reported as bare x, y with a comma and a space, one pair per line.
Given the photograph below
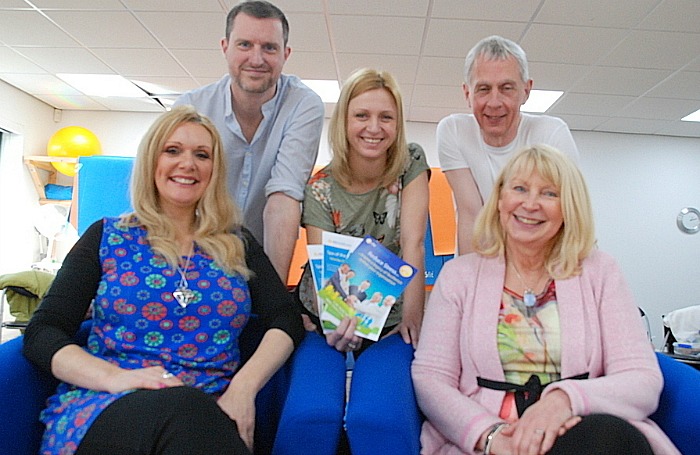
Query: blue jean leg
382, 413
312, 417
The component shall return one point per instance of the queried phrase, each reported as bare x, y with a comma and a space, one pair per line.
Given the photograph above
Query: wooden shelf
43, 163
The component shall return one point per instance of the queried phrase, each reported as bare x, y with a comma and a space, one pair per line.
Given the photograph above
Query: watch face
688, 220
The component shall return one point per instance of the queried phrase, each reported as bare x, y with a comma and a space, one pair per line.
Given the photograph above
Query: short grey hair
496, 48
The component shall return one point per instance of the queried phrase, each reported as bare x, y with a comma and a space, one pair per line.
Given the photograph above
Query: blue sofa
678, 413
24, 390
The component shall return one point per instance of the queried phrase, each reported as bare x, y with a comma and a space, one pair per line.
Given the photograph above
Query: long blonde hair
359, 82
216, 218
576, 237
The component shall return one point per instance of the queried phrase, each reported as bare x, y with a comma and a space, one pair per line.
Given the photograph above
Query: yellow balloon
72, 142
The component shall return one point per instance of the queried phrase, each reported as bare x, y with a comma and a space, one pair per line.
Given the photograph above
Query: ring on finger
352, 346
167, 375
539, 431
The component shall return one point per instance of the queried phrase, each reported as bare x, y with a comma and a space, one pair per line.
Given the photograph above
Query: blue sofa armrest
23, 393
678, 413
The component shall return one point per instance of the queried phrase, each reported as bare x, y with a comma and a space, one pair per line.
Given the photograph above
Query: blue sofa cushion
679, 407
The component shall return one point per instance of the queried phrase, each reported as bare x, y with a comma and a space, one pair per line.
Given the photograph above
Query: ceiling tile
590, 104
174, 5
446, 71
683, 85
429, 114
631, 126
117, 103
582, 122
562, 44
689, 129
138, 62
361, 35
311, 65
79, 4
14, 62
71, 102
170, 84
594, 13
619, 81
658, 108
203, 63
199, 30
674, 15
292, 6
454, 38
308, 33
30, 28
439, 96
614, 60
659, 50
402, 67
555, 76
104, 29
494, 10
66, 60
40, 84
14, 4
404, 8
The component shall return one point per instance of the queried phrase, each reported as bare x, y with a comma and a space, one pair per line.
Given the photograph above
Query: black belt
525, 395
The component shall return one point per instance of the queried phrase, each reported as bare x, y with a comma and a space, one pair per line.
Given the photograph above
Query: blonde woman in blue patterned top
174, 284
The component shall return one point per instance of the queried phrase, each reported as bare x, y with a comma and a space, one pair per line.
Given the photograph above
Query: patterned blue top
138, 323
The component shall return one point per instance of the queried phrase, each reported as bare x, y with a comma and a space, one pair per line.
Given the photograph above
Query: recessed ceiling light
103, 85
328, 90
694, 117
541, 100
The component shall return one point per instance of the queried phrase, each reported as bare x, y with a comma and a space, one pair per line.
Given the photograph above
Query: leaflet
360, 278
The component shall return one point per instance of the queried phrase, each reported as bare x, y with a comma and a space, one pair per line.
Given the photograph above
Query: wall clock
688, 220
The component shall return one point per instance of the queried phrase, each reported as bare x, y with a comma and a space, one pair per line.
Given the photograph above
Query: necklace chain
529, 296
183, 294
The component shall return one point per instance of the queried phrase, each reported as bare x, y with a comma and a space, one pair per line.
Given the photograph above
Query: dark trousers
176, 420
602, 434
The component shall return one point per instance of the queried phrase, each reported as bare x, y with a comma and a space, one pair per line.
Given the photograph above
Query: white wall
638, 185
29, 121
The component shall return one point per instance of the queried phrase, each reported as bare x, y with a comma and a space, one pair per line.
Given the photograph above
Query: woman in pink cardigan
533, 344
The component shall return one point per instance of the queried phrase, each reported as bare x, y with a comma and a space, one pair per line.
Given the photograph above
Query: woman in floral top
521, 350
172, 287
376, 184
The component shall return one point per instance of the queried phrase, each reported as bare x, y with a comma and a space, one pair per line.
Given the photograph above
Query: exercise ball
72, 142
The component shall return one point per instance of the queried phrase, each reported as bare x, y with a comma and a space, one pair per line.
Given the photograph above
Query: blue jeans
381, 415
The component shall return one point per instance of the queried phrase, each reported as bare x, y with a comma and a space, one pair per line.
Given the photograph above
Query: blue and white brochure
366, 283
334, 279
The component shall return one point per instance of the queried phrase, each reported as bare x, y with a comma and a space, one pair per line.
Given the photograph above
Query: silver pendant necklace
529, 297
183, 294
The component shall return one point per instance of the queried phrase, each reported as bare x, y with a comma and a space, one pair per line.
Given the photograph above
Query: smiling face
371, 124
495, 93
255, 53
530, 211
184, 168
